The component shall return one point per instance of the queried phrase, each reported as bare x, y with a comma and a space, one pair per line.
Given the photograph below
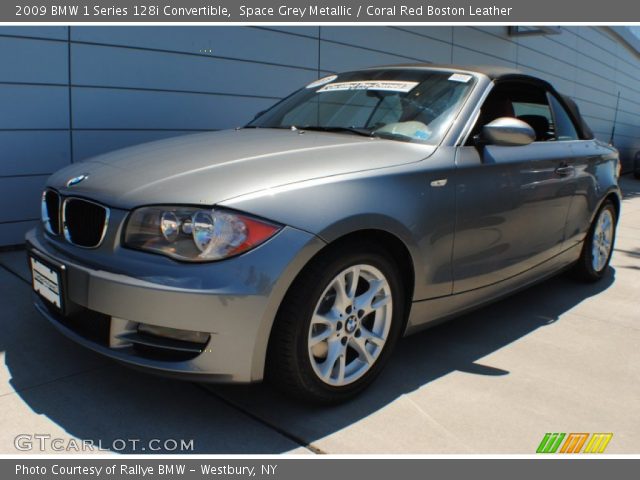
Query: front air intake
84, 222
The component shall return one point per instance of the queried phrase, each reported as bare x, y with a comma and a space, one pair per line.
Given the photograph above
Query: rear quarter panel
596, 164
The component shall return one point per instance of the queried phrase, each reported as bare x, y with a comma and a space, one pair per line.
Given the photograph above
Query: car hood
208, 168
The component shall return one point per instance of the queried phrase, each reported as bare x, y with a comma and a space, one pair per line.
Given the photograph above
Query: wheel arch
392, 234
397, 249
394, 246
613, 194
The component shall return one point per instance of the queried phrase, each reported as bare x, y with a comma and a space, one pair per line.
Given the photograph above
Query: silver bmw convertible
299, 248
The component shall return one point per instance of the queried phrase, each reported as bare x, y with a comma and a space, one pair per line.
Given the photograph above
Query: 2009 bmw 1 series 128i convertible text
365, 206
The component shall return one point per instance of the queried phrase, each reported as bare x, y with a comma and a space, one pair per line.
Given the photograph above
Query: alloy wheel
602, 240
350, 325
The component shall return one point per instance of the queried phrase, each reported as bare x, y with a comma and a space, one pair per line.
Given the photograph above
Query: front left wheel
337, 325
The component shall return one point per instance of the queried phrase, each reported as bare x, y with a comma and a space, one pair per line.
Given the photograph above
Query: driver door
511, 201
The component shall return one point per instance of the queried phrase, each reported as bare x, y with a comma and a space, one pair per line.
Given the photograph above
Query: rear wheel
337, 325
598, 246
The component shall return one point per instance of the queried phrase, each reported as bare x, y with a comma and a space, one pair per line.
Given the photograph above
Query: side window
538, 115
523, 101
537, 109
564, 127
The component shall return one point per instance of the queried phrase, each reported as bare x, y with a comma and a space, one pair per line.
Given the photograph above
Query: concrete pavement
559, 357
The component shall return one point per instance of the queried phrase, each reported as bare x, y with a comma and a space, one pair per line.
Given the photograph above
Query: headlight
195, 234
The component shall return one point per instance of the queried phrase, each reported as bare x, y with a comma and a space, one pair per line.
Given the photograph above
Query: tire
316, 350
596, 250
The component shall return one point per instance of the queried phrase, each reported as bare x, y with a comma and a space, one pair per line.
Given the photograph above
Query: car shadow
101, 401
457, 345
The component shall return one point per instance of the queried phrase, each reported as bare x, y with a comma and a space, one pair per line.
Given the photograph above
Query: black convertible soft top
587, 133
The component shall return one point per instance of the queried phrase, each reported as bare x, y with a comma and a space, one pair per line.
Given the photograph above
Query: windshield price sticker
460, 77
322, 81
391, 86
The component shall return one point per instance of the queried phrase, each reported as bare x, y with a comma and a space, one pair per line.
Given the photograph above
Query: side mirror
507, 131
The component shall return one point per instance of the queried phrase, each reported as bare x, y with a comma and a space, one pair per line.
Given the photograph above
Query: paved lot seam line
300, 441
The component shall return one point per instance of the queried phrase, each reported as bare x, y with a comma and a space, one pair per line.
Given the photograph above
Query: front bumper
109, 293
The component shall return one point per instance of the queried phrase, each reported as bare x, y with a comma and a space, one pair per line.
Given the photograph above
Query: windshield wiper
392, 136
280, 127
365, 132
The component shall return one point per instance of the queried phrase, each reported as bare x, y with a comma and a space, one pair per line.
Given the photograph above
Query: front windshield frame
463, 82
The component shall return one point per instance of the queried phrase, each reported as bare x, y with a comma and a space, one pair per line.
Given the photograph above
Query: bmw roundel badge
76, 180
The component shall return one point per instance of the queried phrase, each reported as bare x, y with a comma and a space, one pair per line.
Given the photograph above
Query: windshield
409, 105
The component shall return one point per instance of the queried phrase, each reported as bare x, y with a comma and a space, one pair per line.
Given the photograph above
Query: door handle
565, 170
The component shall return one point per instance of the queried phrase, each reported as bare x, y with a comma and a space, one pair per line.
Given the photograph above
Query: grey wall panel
597, 37
466, 56
234, 42
391, 41
58, 33
582, 92
550, 46
567, 36
587, 63
602, 57
597, 82
24, 193
628, 132
594, 47
627, 105
305, 31
486, 41
33, 61
624, 63
13, 233
94, 142
337, 57
439, 33
129, 68
629, 99
34, 107
595, 53
597, 110
631, 119
33, 152
103, 108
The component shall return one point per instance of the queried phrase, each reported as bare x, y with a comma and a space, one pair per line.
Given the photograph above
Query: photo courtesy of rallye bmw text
311, 239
